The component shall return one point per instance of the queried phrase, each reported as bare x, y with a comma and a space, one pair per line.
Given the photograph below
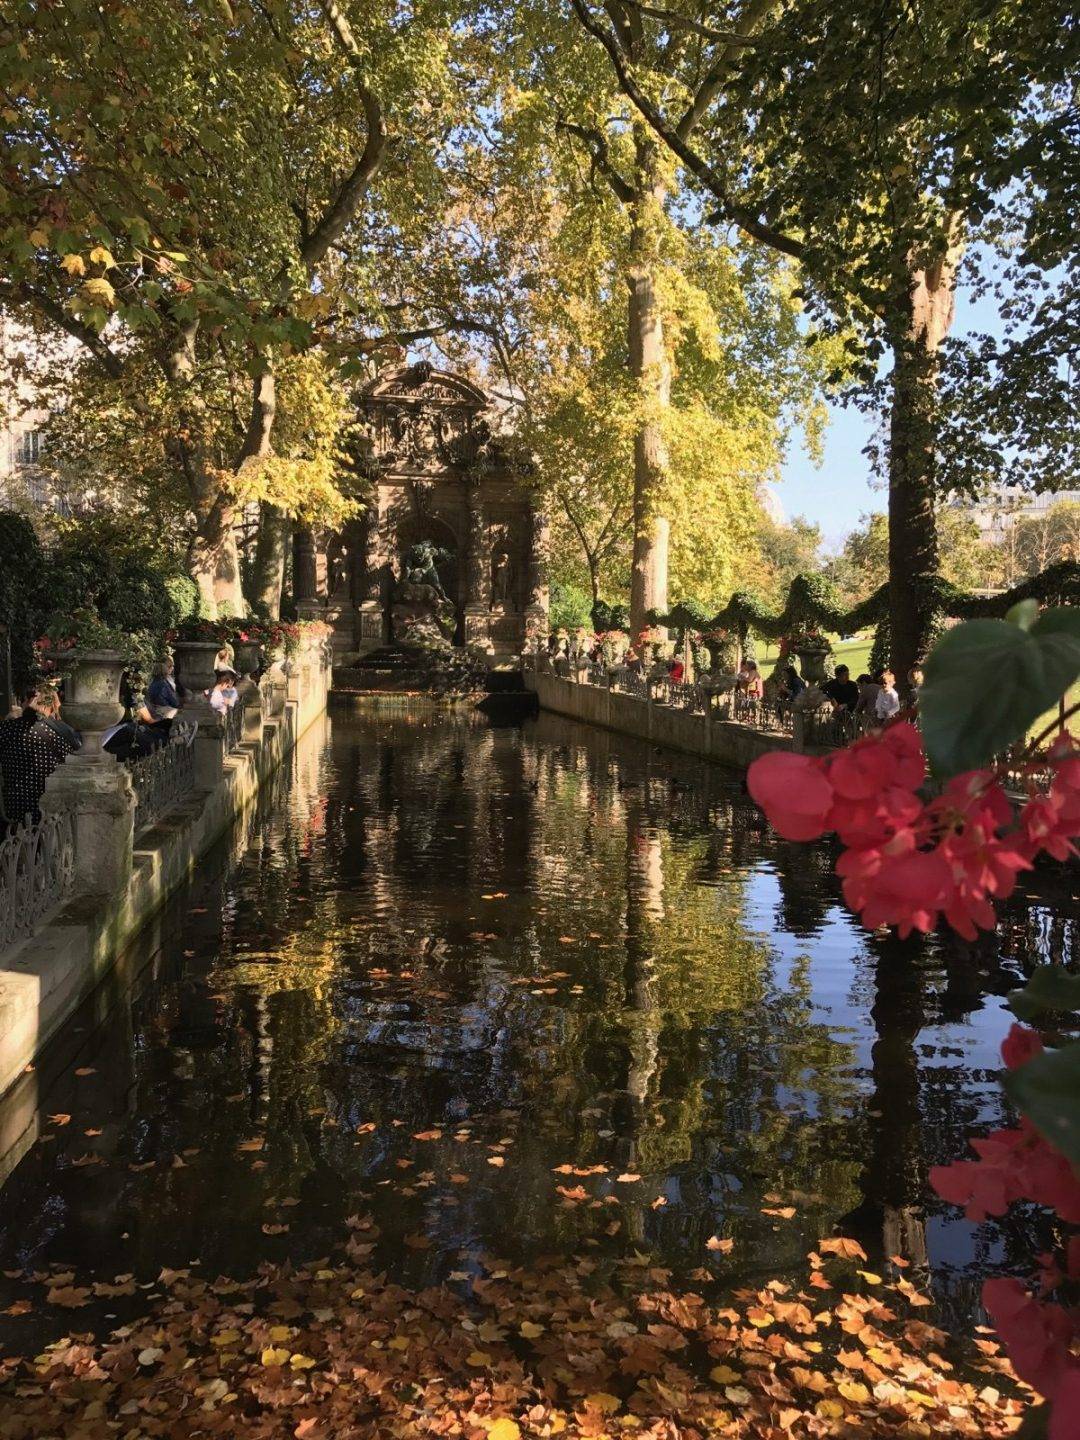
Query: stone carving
422, 612
502, 580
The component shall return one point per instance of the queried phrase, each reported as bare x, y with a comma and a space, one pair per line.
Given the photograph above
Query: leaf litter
562, 1347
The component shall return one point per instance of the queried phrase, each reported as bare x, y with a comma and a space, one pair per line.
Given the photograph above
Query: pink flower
1036, 1335
793, 792
1020, 1046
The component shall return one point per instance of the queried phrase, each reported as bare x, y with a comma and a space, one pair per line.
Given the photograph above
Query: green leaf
987, 681
1050, 988
1047, 1090
1023, 614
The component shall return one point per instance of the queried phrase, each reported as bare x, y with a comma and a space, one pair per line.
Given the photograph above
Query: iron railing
628, 683
762, 714
832, 727
37, 869
232, 724
165, 777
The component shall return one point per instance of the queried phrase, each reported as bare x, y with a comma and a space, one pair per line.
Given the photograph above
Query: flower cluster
909, 861
1019, 1165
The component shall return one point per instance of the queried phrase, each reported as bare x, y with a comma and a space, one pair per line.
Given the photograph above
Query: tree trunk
213, 558
268, 570
649, 367
927, 315
275, 528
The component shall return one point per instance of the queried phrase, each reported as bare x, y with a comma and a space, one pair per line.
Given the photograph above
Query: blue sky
835, 494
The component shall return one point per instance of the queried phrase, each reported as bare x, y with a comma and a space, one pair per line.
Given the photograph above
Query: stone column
536, 606
371, 600
477, 574
305, 572
92, 786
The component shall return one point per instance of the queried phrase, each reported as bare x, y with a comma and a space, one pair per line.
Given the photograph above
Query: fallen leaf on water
715, 1243
627, 1177
497, 1160
60, 1119
70, 1297
842, 1246
86, 1070
251, 1145
785, 1212
274, 1229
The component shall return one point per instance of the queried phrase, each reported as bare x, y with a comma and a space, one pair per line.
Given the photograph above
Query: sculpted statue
420, 566
423, 612
502, 577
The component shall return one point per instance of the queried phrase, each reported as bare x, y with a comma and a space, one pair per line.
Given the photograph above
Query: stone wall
724, 741
45, 978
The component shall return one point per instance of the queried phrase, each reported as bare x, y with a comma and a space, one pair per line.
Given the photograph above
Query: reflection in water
519, 990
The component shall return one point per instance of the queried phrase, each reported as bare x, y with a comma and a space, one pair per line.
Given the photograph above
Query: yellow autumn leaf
478, 1358
724, 1375
399, 1342
73, 264
504, 1429
98, 292
602, 1401
38, 236
101, 256
830, 1409
531, 1330
274, 1356
920, 1399
301, 1362
853, 1391
225, 1337
869, 1277
737, 1394
280, 1332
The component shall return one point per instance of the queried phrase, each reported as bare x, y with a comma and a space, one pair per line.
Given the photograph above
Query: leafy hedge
133, 583
812, 600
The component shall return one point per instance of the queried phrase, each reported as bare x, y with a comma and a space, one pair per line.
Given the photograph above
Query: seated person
162, 696
676, 670
750, 682
223, 696
869, 689
842, 690
791, 683
32, 745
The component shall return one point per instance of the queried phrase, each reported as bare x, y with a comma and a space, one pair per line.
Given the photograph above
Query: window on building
28, 447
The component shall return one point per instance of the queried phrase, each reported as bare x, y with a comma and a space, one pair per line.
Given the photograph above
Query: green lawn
855, 654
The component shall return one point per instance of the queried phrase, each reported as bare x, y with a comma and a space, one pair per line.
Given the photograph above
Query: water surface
517, 991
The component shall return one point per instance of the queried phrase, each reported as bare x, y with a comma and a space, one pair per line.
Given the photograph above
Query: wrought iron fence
166, 776
831, 727
630, 684
232, 724
37, 867
762, 714
680, 693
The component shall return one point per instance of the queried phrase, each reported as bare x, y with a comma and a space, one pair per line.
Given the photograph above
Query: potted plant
813, 649
92, 657
195, 642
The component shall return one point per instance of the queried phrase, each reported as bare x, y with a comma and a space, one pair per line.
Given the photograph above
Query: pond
514, 990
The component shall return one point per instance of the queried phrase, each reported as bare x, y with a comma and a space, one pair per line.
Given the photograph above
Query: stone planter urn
246, 658
92, 694
812, 663
195, 663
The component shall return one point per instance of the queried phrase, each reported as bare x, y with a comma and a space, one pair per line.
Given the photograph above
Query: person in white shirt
223, 695
888, 701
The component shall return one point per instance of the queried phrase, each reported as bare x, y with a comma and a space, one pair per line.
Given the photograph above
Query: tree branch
25, 294
335, 218
695, 163
755, 13
683, 22
596, 141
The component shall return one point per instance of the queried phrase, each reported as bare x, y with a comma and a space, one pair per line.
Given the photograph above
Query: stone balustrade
116, 840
